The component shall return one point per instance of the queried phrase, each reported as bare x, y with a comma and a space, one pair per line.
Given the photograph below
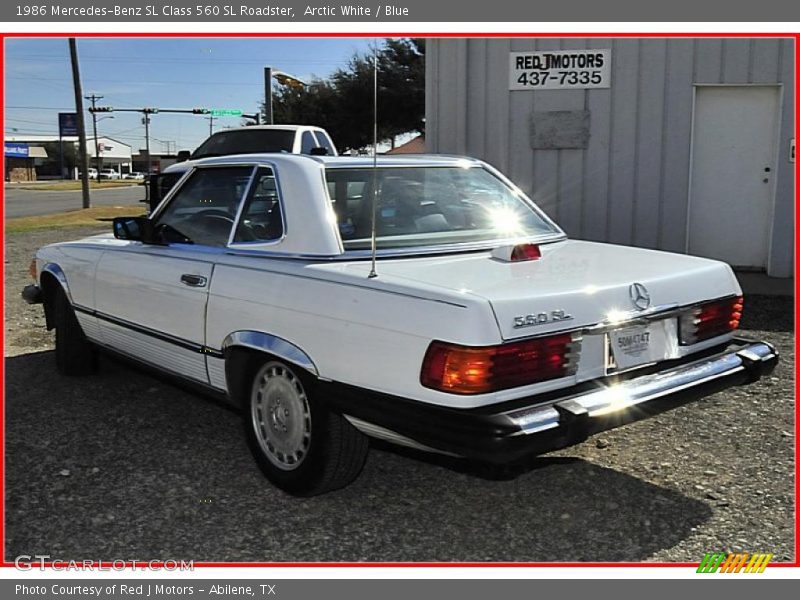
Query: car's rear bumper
509, 432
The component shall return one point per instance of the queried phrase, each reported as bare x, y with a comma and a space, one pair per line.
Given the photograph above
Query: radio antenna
373, 272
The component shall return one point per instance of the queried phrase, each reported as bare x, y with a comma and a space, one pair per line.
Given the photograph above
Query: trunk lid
581, 282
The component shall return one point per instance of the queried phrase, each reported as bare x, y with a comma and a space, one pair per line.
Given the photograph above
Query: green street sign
226, 112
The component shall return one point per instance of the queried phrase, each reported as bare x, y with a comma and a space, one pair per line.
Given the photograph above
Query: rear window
325, 142
246, 141
428, 206
307, 143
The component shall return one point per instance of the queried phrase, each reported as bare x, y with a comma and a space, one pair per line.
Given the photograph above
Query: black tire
332, 452
75, 355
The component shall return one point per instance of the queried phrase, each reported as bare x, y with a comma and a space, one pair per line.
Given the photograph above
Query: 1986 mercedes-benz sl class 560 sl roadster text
483, 332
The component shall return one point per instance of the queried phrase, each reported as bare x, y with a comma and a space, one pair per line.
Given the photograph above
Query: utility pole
268, 95
146, 121
76, 81
98, 161
210, 120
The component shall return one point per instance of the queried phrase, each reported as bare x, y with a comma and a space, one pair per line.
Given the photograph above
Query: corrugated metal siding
781, 254
631, 184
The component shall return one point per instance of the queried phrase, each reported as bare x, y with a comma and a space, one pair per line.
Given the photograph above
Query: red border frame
107, 565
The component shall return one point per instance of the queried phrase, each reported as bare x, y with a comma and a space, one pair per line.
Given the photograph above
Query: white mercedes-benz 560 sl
482, 332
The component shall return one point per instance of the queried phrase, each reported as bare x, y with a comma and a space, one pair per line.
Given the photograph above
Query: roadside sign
67, 124
16, 150
226, 112
559, 70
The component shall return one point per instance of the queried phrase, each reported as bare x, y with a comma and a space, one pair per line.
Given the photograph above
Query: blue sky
159, 72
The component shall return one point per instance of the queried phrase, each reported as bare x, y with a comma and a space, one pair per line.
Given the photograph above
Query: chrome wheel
281, 416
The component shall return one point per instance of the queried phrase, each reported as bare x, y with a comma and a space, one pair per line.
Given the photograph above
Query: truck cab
291, 139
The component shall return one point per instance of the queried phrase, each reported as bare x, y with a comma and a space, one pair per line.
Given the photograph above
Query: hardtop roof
356, 162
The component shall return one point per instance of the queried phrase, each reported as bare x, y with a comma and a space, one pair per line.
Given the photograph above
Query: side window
346, 190
204, 209
261, 219
307, 142
324, 141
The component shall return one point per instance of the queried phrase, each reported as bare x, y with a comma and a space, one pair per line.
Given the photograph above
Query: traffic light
149, 111
98, 109
200, 111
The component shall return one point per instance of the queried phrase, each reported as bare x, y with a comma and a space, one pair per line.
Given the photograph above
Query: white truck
481, 332
292, 139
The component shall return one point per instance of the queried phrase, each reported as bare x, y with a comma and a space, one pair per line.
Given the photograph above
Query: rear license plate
639, 345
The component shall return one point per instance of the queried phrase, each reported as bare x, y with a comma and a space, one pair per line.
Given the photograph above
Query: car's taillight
523, 252
478, 370
710, 320
517, 253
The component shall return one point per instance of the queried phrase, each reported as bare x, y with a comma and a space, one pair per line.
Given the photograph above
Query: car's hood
587, 281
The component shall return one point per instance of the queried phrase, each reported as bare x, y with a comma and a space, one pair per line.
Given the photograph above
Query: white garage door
733, 169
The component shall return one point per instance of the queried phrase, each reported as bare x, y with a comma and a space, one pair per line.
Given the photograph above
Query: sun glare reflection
505, 220
616, 397
615, 316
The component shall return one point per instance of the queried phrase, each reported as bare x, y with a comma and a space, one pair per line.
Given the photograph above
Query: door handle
193, 280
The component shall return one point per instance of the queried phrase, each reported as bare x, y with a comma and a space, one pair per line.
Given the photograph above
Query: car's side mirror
138, 229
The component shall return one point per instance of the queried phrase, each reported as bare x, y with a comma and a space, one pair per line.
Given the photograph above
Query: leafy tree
344, 104
401, 95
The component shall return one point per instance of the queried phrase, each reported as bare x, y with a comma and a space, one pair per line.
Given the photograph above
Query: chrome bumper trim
619, 397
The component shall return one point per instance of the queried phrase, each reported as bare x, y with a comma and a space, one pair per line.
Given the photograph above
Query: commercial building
61, 154
680, 144
21, 161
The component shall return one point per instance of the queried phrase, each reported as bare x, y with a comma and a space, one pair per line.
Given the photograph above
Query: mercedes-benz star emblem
639, 296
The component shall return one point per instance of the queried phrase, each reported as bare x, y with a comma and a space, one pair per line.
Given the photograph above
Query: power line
139, 81
108, 134
198, 61
25, 121
40, 107
125, 132
11, 131
52, 81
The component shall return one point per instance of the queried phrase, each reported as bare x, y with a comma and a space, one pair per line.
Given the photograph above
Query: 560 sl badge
542, 318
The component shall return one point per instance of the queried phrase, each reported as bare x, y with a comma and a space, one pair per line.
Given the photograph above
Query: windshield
246, 141
427, 206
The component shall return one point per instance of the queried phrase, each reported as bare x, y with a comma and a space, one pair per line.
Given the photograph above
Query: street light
283, 78
286, 79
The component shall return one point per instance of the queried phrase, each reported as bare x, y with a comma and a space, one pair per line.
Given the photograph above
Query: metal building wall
630, 185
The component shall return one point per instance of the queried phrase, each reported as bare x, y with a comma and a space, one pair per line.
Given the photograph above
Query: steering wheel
245, 230
215, 213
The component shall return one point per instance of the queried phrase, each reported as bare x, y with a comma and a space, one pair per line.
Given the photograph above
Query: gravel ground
125, 466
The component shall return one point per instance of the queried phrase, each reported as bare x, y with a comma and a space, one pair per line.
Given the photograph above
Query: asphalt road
28, 203
123, 465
